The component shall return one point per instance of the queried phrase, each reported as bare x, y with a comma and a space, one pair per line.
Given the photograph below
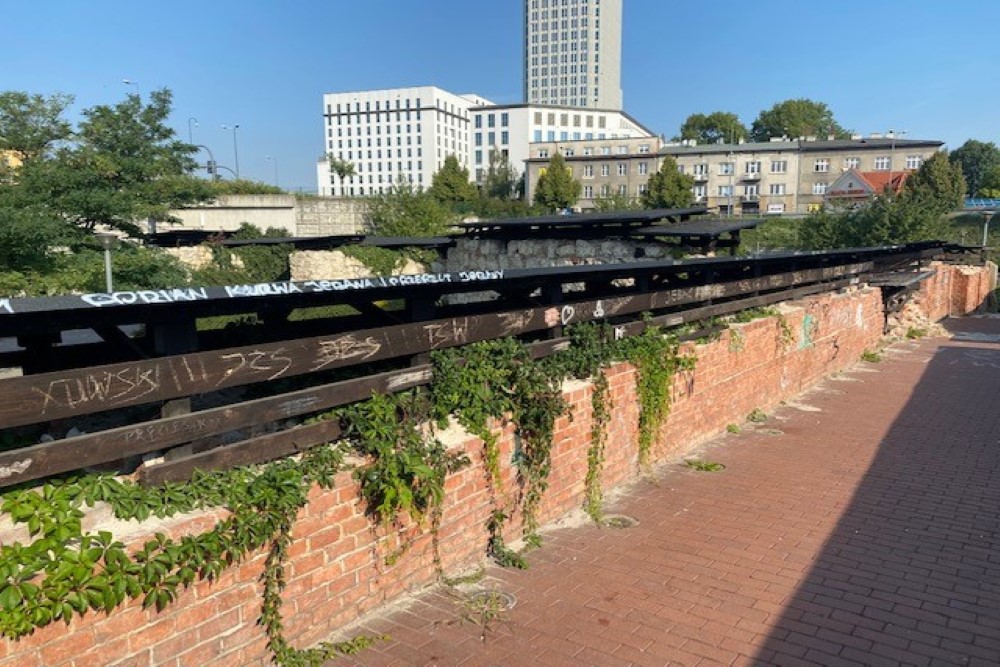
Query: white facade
511, 129
572, 53
392, 135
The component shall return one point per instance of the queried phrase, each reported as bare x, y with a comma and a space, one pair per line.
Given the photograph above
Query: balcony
751, 177
750, 198
700, 178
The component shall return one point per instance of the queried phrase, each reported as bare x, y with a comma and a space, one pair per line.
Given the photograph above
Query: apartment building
511, 129
392, 135
775, 177
572, 53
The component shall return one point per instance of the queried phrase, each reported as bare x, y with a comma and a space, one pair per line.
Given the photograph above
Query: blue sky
924, 66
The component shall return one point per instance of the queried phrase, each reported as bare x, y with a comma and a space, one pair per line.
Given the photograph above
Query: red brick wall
337, 568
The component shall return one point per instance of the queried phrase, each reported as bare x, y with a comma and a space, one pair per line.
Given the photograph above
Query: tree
31, 124
556, 188
450, 185
501, 179
977, 159
342, 168
243, 186
990, 186
885, 220
124, 164
616, 202
668, 188
405, 211
938, 184
796, 118
716, 127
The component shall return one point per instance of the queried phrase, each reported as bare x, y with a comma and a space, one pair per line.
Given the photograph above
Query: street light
275, 160
236, 150
987, 215
190, 131
107, 241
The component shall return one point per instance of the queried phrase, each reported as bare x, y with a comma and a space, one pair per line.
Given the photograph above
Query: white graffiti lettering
567, 314
262, 289
453, 332
15, 468
343, 348
146, 296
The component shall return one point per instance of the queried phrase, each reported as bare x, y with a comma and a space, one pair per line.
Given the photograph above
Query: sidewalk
859, 525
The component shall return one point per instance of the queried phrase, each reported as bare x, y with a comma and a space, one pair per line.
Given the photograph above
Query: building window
700, 169
725, 168
588, 171
643, 168
479, 121
699, 192
479, 138
753, 167
819, 188
641, 189
777, 189
504, 138
504, 119
623, 189
914, 161
479, 157
779, 167
605, 170
588, 192
751, 190
643, 148
622, 169
491, 139
605, 190
623, 150
543, 152
852, 162
568, 152
822, 165
491, 120
725, 191
883, 164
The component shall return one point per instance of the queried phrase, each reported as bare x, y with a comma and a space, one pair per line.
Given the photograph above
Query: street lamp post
236, 150
107, 242
190, 131
275, 161
987, 215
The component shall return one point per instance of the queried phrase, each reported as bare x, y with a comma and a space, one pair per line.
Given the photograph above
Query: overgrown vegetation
704, 466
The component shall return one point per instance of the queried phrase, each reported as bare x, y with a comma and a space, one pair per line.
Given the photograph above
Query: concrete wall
337, 569
301, 216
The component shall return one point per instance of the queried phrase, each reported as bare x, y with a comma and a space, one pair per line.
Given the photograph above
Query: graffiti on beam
452, 332
343, 348
146, 296
101, 387
270, 363
15, 468
515, 322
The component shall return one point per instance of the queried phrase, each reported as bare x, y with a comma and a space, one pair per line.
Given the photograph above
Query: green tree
990, 186
616, 202
796, 118
938, 185
342, 168
124, 164
556, 188
406, 211
713, 128
500, 180
977, 160
243, 186
31, 124
885, 220
450, 185
669, 188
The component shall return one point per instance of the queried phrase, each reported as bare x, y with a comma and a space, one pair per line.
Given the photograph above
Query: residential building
854, 186
392, 135
572, 53
511, 129
775, 177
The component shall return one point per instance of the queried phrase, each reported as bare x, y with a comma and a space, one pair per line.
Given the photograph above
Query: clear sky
925, 66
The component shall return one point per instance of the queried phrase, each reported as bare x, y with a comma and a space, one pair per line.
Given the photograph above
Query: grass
733, 428
704, 466
915, 332
871, 356
758, 416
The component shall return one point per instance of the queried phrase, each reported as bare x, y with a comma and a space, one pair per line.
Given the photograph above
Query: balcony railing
755, 176
750, 198
700, 177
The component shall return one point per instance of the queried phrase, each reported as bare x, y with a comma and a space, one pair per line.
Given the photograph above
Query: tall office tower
573, 53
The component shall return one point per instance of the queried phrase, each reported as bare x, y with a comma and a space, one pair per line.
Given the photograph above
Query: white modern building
392, 135
572, 53
510, 129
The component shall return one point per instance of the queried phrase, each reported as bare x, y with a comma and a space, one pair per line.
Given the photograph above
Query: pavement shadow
911, 574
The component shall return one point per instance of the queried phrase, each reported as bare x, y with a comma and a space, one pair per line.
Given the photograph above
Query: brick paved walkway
858, 527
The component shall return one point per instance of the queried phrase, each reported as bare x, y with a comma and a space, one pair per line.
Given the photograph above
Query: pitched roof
863, 184
880, 180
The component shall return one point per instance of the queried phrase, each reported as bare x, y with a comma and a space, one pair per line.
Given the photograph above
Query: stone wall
337, 566
301, 216
470, 254
335, 265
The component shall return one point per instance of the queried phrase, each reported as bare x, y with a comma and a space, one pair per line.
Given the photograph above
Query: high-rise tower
572, 53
